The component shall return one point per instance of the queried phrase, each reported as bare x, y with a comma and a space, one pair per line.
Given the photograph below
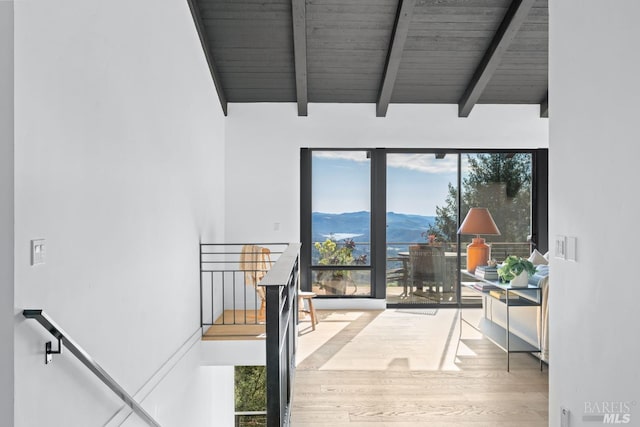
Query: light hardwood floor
402, 368
236, 325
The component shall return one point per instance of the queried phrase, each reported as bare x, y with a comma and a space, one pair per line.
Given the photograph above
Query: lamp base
478, 253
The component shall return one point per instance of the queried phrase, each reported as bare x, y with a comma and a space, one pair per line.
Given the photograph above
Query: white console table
512, 298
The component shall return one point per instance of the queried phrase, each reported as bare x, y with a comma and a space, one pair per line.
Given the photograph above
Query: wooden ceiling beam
544, 106
394, 55
299, 13
197, 20
513, 19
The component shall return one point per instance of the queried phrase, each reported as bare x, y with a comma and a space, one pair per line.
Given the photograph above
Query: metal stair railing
281, 286
64, 340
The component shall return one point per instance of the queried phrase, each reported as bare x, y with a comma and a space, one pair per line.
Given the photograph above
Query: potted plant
334, 282
516, 270
432, 236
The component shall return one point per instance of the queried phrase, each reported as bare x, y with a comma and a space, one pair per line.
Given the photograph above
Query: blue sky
416, 183
340, 184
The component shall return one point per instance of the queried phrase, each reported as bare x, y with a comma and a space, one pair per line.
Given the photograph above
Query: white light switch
561, 249
37, 251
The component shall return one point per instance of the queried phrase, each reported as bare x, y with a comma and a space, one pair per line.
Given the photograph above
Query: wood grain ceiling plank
260, 95
461, 4
361, 3
396, 47
345, 96
425, 95
433, 79
238, 17
347, 44
513, 94
265, 84
505, 34
262, 38
244, 6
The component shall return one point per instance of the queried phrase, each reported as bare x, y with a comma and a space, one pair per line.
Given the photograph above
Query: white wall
594, 150
6, 213
264, 141
223, 402
190, 395
120, 167
233, 352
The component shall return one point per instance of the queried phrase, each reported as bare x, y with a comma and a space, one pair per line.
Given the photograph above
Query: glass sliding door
502, 183
421, 225
341, 223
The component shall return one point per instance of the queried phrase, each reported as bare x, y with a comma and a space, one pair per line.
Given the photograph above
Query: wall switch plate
571, 244
561, 247
564, 417
37, 251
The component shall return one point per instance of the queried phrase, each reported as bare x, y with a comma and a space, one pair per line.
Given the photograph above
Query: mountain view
400, 227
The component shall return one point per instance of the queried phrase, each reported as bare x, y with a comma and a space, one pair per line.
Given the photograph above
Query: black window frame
539, 206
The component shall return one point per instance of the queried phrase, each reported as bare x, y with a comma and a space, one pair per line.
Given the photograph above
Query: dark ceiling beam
544, 106
513, 19
398, 38
299, 12
197, 20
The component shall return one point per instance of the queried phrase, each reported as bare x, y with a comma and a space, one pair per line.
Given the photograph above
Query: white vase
520, 281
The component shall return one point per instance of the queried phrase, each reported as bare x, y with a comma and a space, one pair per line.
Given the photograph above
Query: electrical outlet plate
37, 251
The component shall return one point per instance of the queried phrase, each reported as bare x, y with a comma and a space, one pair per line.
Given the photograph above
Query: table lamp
478, 221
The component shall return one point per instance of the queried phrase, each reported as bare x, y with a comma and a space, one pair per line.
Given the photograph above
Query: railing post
281, 288
273, 342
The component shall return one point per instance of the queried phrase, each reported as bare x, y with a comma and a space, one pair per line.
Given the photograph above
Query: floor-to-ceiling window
383, 223
421, 209
502, 183
341, 223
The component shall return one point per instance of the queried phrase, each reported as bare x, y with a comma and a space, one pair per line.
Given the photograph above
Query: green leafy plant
334, 281
333, 253
514, 265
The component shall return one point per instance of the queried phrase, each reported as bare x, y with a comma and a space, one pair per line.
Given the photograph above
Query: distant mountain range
400, 227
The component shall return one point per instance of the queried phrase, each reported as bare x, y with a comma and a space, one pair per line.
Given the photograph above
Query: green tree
502, 183
250, 388
498, 181
446, 222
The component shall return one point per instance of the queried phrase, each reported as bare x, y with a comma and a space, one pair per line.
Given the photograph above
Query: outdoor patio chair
427, 270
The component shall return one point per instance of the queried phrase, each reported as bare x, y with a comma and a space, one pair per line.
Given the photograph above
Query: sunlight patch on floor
392, 341
330, 325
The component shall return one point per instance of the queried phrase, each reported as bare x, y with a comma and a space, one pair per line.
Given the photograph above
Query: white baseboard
349, 304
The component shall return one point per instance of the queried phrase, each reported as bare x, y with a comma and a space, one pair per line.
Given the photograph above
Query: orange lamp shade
478, 221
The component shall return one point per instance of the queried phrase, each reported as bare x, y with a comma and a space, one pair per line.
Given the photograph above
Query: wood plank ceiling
463, 52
